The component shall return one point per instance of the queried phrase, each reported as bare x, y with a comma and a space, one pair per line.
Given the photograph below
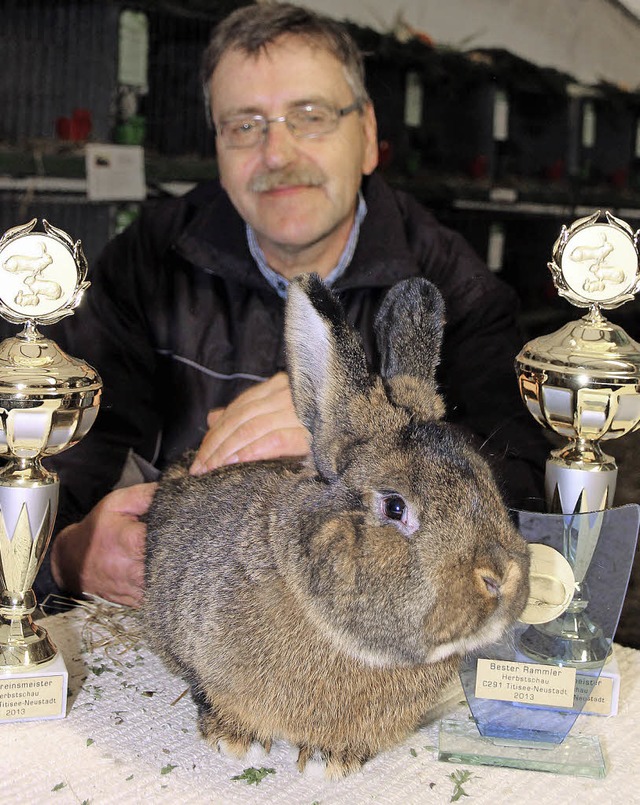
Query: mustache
286, 177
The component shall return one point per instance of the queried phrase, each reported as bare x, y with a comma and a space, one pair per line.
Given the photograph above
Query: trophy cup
583, 383
48, 402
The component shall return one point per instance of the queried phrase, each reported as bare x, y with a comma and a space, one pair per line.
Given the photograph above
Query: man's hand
103, 554
260, 423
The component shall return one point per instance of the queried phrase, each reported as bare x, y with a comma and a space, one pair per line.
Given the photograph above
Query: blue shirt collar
279, 283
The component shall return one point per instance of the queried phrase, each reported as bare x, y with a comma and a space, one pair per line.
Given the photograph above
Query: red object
479, 166
385, 154
619, 178
556, 170
63, 128
77, 127
81, 124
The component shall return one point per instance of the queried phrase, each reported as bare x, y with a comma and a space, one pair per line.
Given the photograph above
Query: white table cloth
129, 738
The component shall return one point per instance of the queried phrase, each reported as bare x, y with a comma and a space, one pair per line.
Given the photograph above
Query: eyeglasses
307, 120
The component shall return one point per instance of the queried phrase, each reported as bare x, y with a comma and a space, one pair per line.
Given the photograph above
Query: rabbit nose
492, 584
499, 584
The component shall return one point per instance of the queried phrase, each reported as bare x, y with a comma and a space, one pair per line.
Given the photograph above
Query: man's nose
279, 145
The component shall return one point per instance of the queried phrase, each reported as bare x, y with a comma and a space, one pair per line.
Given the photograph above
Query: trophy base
23, 644
460, 742
34, 694
572, 639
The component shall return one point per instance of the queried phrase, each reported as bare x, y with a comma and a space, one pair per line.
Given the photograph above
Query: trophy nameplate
48, 402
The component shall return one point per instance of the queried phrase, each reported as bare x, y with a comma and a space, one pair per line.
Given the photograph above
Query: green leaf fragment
458, 778
253, 776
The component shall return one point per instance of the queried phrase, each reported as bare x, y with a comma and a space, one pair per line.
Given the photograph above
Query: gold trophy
48, 402
582, 382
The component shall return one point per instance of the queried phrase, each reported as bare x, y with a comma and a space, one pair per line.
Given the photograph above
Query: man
185, 317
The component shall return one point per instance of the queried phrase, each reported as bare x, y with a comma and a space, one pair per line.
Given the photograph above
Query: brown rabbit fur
326, 602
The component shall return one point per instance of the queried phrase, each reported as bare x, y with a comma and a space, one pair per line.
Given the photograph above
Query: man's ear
370, 128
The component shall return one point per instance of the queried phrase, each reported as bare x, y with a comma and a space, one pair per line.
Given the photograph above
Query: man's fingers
130, 590
134, 500
213, 416
284, 442
103, 554
269, 435
260, 423
134, 542
268, 387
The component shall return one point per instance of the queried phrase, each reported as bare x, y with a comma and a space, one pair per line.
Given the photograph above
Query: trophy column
48, 402
583, 382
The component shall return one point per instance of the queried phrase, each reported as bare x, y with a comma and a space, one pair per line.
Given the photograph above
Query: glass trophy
48, 402
583, 383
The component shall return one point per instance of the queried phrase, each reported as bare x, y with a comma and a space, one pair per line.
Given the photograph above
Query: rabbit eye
394, 510
394, 507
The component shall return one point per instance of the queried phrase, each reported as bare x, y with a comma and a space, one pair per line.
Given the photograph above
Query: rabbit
327, 601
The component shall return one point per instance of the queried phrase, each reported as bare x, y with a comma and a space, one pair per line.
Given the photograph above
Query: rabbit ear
409, 329
326, 361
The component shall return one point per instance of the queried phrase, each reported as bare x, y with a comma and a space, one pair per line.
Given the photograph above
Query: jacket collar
214, 240
382, 256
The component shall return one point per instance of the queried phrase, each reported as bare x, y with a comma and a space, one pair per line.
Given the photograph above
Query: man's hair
251, 29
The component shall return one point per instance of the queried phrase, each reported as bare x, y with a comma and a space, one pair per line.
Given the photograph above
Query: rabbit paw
334, 765
228, 735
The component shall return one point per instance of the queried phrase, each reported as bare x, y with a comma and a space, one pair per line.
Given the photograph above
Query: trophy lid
592, 346
38, 366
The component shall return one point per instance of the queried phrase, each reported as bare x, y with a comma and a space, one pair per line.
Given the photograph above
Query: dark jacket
179, 320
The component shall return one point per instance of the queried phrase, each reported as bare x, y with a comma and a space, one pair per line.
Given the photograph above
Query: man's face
318, 179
